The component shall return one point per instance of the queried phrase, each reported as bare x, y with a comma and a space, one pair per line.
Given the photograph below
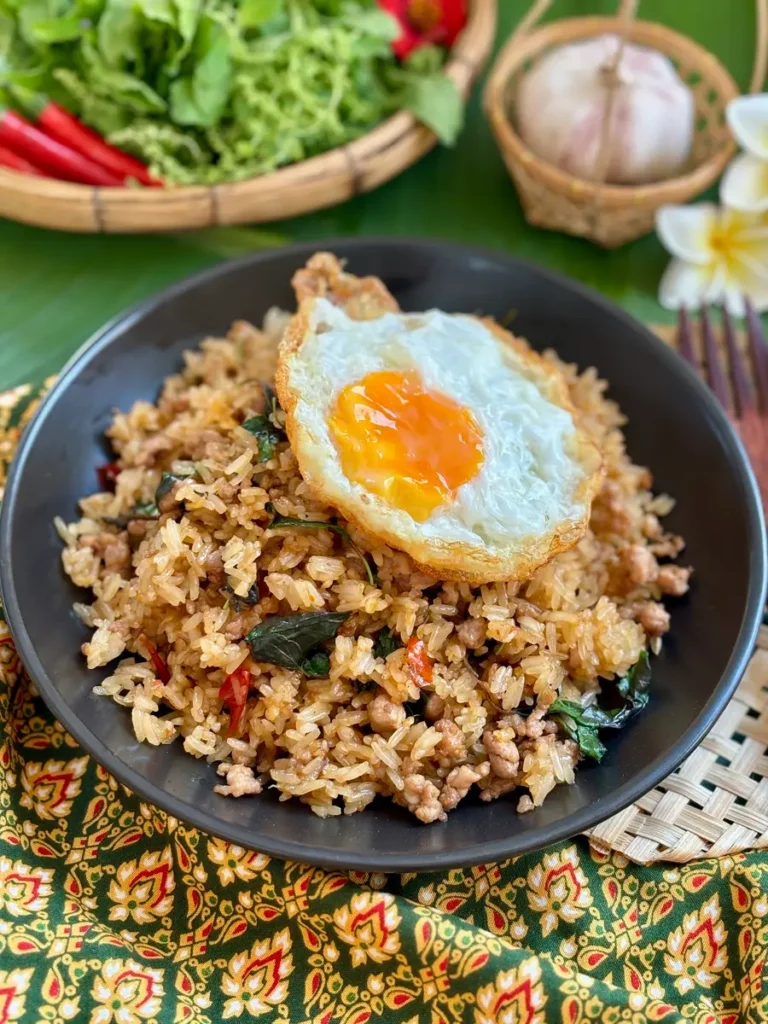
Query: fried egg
440, 434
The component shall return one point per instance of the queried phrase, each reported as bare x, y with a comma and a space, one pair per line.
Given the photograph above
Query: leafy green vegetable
145, 510
264, 427
437, 103
200, 98
167, 482
207, 91
291, 522
429, 94
385, 643
252, 597
117, 33
254, 13
265, 433
316, 665
288, 640
583, 722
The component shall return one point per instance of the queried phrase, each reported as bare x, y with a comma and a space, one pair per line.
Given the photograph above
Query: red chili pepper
23, 138
418, 662
425, 21
158, 662
59, 124
18, 163
234, 693
108, 474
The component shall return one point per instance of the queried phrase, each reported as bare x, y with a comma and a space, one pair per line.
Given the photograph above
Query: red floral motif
369, 923
50, 788
13, 986
234, 862
557, 888
516, 997
696, 951
143, 890
24, 890
127, 993
255, 982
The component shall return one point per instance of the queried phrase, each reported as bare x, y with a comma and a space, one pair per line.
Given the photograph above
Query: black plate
675, 427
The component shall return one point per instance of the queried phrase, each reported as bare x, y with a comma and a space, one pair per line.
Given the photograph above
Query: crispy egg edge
446, 560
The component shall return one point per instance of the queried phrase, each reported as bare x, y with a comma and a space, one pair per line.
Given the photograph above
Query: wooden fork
747, 407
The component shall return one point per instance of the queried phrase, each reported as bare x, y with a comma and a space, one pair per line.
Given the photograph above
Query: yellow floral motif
255, 982
235, 862
558, 889
50, 788
13, 985
369, 923
143, 889
516, 997
697, 952
23, 890
128, 993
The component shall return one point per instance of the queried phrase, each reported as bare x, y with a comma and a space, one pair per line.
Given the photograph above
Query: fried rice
178, 588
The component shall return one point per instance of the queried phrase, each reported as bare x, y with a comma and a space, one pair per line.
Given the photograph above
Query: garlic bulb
561, 106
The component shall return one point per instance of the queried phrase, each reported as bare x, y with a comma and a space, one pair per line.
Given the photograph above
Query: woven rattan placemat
717, 801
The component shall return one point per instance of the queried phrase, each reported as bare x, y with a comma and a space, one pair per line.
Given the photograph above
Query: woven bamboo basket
313, 184
612, 215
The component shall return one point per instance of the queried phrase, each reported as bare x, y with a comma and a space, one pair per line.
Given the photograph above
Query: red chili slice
158, 662
108, 474
418, 662
234, 694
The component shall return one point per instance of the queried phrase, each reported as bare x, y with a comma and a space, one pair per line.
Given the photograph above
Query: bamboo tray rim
514, 53
464, 63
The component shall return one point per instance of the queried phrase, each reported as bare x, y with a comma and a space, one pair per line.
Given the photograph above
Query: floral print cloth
113, 911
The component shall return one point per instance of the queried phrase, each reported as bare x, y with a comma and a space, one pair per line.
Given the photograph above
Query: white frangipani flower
720, 255
745, 182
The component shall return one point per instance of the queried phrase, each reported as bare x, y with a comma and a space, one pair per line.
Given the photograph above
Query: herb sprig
295, 641
582, 723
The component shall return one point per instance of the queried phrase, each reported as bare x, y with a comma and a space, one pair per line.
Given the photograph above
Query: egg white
533, 492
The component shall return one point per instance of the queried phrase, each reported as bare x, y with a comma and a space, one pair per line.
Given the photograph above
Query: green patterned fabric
113, 911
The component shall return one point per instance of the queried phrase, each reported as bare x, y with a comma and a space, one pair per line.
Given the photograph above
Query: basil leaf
286, 640
266, 433
586, 736
385, 644
238, 603
292, 522
147, 510
633, 688
167, 482
316, 665
582, 723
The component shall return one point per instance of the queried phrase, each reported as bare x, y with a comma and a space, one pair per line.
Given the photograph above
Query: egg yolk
411, 446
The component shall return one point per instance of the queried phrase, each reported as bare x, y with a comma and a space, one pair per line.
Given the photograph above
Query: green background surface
55, 288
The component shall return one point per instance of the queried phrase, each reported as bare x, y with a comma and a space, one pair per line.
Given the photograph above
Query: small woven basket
612, 215
313, 184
